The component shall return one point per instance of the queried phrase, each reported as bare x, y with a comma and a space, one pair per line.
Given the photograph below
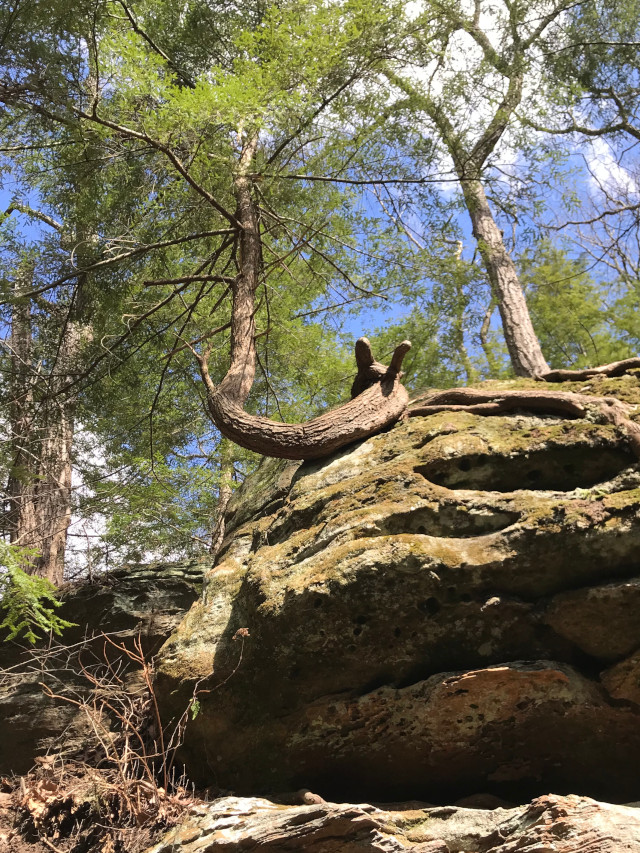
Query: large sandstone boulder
446, 608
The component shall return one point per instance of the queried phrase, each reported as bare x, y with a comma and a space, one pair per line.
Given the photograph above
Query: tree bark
484, 337
238, 380
42, 422
615, 368
39, 485
383, 399
522, 342
21, 517
225, 490
459, 330
368, 413
53, 492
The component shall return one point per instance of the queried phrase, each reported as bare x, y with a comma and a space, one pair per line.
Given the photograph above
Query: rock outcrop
550, 824
141, 601
444, 609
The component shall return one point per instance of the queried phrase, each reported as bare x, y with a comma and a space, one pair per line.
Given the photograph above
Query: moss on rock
450, 544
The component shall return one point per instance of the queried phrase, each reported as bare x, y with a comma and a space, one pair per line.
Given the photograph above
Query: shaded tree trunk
225, 490
42, 423
42, 428
459, 326
484, 337
53, 491
21, 512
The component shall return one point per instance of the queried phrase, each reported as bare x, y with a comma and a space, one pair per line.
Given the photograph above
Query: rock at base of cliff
549, 824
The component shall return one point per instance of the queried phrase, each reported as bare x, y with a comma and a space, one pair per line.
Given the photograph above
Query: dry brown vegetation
119, 787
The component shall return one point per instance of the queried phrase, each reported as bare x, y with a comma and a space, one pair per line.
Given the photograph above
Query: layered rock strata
445, 608
134, 603
550, 824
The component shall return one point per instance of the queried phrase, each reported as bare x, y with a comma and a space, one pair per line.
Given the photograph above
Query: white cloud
607, 174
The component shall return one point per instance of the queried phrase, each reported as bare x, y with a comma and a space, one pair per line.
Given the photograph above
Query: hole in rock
457, 521
345, 787
430, 606
558, 468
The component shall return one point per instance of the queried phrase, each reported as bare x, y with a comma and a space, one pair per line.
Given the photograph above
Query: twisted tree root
616, 368
380, 402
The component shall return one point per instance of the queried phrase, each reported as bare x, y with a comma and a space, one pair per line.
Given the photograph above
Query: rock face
550, 824
145, 602
446, 608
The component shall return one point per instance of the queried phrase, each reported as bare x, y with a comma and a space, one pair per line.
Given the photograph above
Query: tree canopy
205, 203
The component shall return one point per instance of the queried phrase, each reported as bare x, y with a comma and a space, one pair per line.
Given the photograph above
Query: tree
65, 341
598, 69
42, 413
243, 142
572, 319
470, 106
229, 210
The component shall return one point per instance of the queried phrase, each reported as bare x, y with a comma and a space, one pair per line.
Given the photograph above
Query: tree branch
130, 133
33, 214
186, 279
156, 48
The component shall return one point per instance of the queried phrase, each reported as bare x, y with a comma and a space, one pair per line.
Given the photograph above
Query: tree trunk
459, 329
39, 488
21, 515
484, 338
238, 380
377, 407
42, 429
225, 490
53, 496
522, 342
381, 404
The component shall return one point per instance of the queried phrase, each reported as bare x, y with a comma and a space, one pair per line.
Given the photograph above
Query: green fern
29, 601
